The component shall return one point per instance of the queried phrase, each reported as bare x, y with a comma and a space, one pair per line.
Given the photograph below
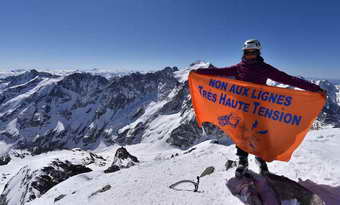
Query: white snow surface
317, 160
4, 148
182, 75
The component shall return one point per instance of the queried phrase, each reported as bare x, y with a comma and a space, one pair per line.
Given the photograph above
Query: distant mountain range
43, 111
333, 81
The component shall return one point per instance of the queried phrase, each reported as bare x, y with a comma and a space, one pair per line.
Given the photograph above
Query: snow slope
317, 160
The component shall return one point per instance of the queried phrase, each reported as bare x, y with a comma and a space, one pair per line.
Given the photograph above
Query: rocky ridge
42, 112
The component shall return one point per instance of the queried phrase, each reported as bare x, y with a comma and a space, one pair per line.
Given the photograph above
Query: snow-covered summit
182, 75
151, 115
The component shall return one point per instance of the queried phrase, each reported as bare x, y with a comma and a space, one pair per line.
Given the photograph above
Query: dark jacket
257, 71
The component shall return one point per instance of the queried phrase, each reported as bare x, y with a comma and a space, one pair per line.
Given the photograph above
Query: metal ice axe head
207, 171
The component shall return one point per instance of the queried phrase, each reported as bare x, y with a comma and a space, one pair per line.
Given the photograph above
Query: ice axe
207, 171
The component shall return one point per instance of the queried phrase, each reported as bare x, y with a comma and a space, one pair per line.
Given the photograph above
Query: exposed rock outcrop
4, 159
123, 159
31, 182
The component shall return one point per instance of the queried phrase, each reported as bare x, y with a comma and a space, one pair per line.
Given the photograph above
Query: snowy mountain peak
149, 113
200, 64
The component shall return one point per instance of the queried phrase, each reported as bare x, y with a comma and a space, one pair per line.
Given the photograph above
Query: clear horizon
299, 38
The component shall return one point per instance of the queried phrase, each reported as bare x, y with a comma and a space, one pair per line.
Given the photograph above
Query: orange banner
269, 122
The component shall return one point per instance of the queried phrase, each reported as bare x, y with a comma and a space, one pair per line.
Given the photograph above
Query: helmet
252, 44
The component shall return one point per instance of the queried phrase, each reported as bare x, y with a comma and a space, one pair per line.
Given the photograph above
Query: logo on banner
229, 120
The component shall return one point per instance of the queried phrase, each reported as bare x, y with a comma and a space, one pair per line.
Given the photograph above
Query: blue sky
299, 37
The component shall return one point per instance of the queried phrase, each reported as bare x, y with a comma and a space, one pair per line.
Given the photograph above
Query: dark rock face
185, 135
123, 154
112, 168
123, 159
29, 184
53, 176
331, 112
4, 159
84, 83
175, 105
81, 109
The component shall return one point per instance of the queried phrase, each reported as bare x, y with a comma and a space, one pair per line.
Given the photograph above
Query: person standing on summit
252, 68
